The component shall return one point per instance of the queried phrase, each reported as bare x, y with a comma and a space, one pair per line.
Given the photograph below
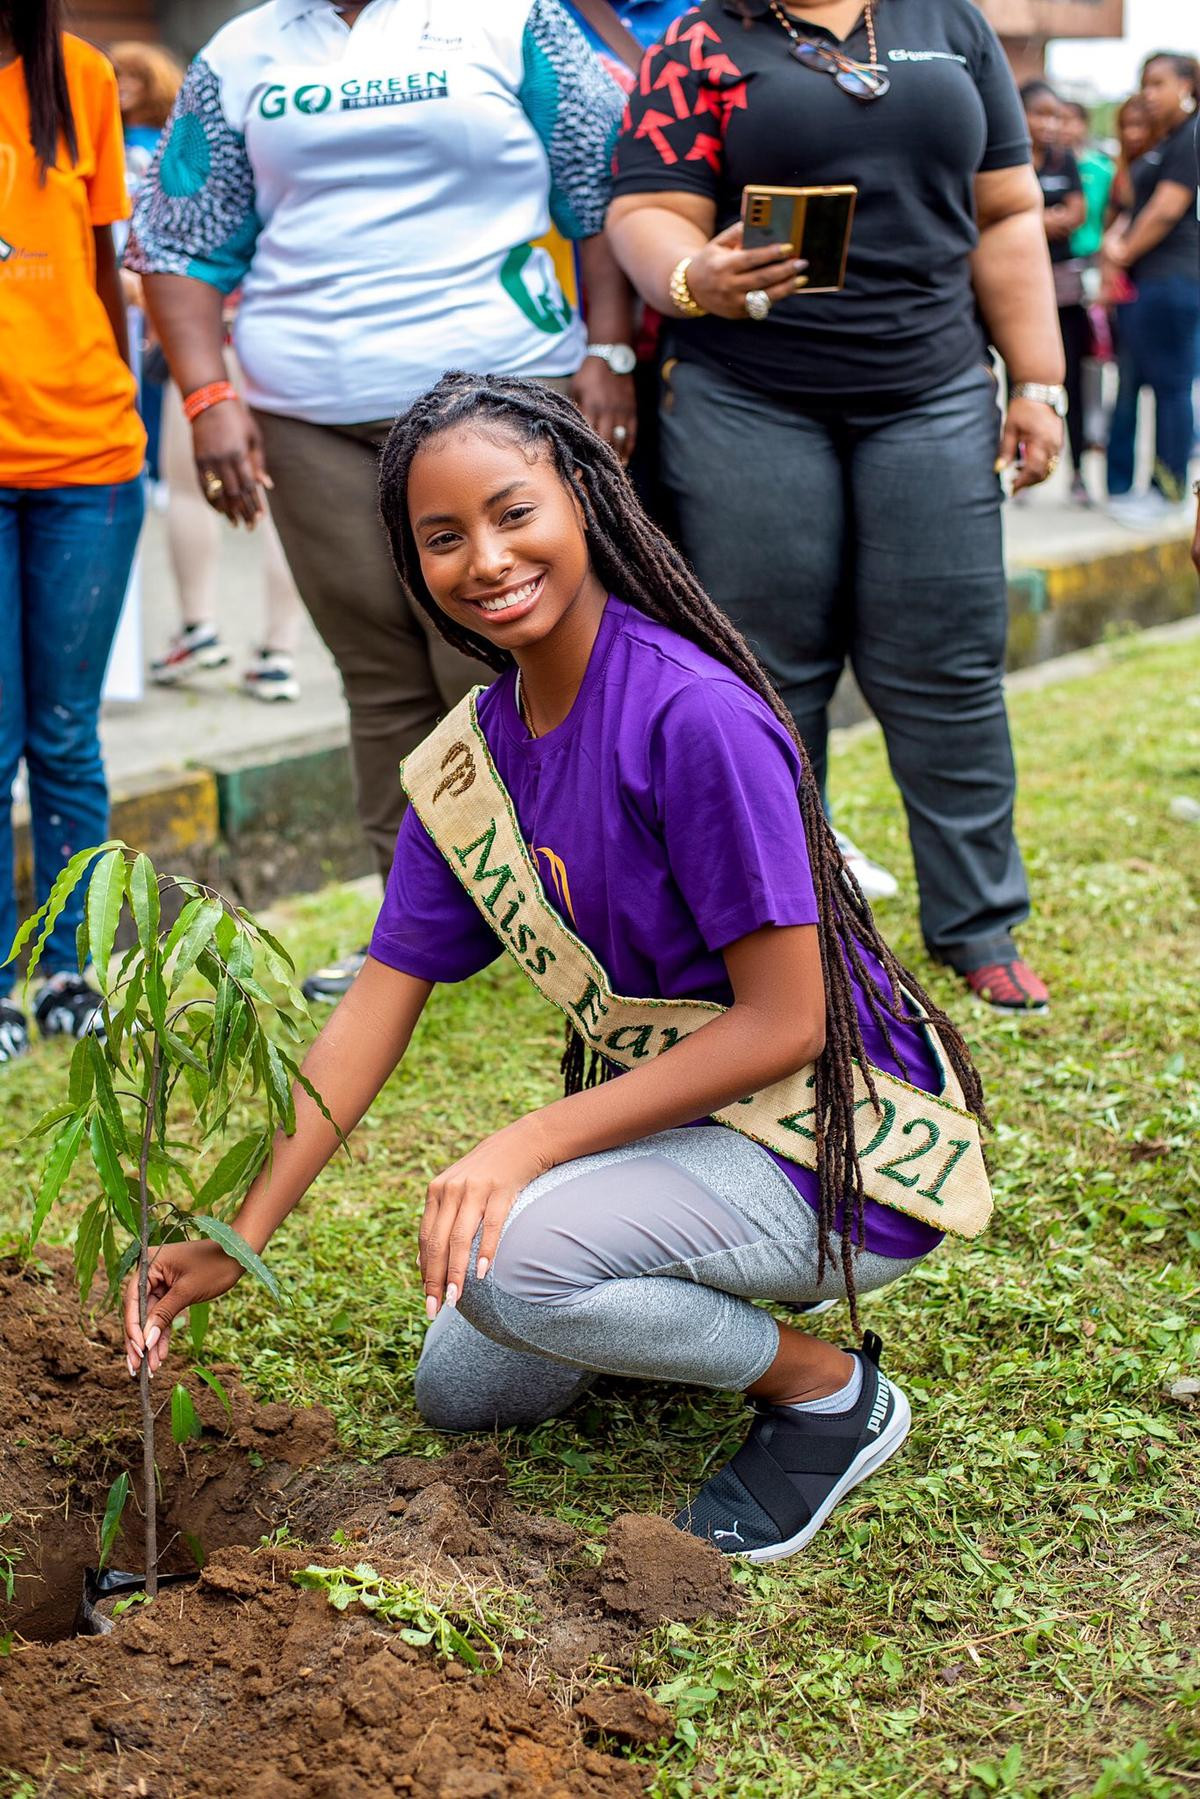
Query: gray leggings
641, 1261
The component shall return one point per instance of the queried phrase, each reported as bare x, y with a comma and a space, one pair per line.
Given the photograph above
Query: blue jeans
65, 556
1157, 350
871, 534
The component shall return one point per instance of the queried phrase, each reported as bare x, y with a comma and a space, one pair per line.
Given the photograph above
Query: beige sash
919, 1153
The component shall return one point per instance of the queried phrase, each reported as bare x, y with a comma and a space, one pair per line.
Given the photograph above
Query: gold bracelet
682, 298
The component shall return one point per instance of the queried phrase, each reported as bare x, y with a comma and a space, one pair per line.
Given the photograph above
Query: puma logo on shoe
735, 1533
875, 1421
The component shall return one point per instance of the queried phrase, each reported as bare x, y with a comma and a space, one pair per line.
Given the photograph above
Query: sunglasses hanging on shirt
862, 80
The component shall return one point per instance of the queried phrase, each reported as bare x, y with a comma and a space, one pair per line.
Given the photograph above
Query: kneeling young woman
627, 811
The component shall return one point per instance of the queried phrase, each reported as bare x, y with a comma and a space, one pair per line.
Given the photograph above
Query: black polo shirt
722, 103
1173, 158
1058, 177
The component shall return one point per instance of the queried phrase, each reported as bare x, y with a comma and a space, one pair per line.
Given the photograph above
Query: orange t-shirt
67, 414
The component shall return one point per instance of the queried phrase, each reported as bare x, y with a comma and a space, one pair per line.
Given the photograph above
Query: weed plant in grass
1011, 1607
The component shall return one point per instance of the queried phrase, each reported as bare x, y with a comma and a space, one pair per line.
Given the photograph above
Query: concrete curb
1069, 604
1061, 605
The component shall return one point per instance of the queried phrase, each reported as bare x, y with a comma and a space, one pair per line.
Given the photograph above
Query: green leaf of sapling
79, 1081
106, 894
62, 1155
236, 1168
87, 1246
46, 917
143, 897
200, 932
118, 1493
197, 1326
107, 1163
210, 1380
236, 1246
184, 1423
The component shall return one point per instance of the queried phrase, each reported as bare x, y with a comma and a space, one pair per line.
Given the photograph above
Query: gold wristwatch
682, 298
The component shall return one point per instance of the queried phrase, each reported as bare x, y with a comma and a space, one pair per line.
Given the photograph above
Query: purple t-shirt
664, 820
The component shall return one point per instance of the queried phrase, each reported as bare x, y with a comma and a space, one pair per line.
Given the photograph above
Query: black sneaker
14, 1032
67, 1007
784, 1481
327, 985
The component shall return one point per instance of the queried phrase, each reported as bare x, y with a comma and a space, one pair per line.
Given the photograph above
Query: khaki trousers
399, 677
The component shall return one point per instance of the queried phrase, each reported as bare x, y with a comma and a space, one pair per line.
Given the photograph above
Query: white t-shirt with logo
378, 194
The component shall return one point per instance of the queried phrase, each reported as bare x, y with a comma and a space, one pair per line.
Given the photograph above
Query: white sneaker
1141, 511
876, 882
271, 676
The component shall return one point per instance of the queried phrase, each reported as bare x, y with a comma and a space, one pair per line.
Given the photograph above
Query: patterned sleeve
673, 132
575, 108
195, 210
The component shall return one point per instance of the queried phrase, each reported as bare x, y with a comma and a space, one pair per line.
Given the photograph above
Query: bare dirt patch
244, 1683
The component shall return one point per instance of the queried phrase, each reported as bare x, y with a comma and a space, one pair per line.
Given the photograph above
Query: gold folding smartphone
817, 220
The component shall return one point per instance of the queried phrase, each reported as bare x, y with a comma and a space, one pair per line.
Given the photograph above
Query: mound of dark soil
245, 1684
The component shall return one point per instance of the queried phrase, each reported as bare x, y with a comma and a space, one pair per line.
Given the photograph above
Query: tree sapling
184, 1034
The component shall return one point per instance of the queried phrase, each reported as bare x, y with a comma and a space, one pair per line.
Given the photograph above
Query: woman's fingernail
451, 1294
800, 266
801, 281
152, 1336
132, 1367
481, 1267
430, 1308
999, 465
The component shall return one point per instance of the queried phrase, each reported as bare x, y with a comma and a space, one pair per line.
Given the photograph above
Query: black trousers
872, 535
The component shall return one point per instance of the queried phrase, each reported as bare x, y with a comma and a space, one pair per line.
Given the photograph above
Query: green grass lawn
1012, 1606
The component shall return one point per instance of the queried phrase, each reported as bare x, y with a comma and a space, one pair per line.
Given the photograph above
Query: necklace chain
522, 708
868, 14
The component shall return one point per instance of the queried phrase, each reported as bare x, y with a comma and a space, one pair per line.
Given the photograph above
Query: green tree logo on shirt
528, 278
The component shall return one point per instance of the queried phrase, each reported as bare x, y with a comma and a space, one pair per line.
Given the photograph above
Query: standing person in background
1155, 244
1134, 137
71, 449
834, 457
375, 178
1096, 171
1065, 210
194, 546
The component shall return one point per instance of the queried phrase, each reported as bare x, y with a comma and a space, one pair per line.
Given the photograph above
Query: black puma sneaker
784, 1481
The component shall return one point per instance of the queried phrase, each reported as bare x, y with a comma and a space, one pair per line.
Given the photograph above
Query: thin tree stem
148, 1469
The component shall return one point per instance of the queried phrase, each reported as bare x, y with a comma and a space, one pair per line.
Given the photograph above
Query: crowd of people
679, 489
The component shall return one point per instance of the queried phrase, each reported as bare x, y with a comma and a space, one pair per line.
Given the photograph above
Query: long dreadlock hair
636, 561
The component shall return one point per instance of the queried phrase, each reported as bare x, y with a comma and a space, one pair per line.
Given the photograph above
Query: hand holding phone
723, 271
817, 220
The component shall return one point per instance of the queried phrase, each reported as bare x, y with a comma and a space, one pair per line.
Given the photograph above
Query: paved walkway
176, 727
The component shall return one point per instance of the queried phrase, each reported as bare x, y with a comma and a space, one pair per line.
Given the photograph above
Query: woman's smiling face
500, 535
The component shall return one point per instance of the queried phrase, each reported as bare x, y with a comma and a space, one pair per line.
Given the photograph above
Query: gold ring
213, 485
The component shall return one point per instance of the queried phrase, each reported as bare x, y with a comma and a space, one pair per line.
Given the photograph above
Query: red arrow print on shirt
651, 126
674, 77
706, 149
696, 32
721, 101
714, 66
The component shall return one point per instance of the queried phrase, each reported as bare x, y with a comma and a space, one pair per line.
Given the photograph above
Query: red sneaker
1010, 986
